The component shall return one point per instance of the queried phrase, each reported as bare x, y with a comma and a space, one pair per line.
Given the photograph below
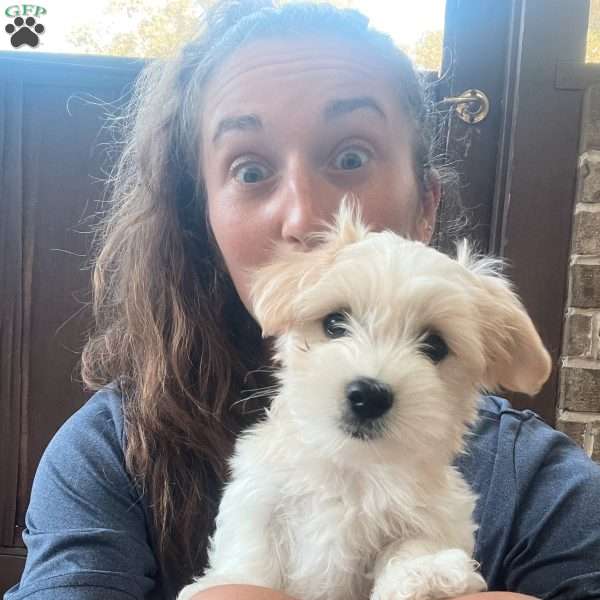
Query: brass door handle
472, 106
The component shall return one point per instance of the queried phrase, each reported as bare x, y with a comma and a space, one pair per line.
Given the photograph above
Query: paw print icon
24, 32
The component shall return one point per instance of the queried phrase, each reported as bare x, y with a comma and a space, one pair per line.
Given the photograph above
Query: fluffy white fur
322, 515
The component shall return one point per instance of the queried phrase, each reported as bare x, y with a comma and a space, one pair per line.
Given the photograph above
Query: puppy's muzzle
368, 399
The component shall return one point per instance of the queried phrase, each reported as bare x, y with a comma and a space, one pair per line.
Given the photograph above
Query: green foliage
140, 28
592, 54
144, 29
427, 53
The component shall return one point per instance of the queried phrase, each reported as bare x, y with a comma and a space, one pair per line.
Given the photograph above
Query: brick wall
579, 399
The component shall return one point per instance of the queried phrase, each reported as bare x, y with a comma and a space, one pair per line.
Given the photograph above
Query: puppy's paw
445, 574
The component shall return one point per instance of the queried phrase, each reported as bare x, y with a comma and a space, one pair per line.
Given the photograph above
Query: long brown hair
170, 328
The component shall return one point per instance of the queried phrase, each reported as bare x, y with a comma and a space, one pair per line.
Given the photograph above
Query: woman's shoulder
89, 448
87, 524
100, 417
511, 444
88, 452
499, 411
521, 436
536, 512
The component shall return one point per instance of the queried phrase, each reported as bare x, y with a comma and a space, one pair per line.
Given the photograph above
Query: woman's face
289, 127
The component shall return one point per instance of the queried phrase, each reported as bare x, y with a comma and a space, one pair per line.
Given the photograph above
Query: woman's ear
430, 202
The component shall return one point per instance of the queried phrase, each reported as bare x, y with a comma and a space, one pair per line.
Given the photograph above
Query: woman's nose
306, 203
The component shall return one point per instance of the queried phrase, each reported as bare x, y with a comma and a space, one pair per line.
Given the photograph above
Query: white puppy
346, 491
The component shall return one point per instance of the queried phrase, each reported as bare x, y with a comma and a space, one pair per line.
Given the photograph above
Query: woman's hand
251, 592
496, 596
241, 592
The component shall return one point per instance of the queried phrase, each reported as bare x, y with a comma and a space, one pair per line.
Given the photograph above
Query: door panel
52, 157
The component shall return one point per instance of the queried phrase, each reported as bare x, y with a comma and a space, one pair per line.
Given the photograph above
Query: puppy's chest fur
322, 542
326, 541
327, 524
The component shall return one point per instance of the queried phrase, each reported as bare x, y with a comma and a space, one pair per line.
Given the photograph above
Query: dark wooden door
51, 145
518, 165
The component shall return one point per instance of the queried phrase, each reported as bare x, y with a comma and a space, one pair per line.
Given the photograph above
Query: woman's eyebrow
338, 107
239, 123
334, 109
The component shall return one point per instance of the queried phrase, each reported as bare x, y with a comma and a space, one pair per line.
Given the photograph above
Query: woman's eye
251, 173
434, 347
335, 325
350, 159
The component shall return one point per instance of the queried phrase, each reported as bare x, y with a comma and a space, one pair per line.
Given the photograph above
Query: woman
251, 135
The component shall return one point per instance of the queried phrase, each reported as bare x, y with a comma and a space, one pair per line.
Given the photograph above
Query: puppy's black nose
369, 398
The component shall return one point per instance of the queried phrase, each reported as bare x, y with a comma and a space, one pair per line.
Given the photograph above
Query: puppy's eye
335, 325
434, 347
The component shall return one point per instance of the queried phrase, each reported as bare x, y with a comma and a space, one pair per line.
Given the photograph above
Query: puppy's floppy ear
516, 358
279, 288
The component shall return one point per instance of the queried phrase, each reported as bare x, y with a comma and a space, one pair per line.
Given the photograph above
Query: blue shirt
88, 529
